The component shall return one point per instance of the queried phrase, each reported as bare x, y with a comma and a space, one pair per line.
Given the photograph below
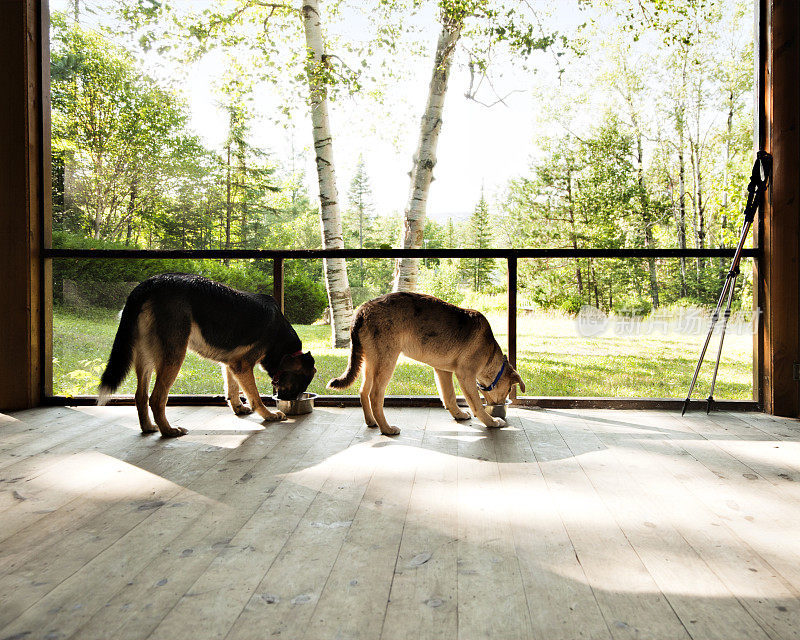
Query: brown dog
448, 338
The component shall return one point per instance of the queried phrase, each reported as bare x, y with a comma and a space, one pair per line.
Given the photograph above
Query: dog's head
508, 379
295, 372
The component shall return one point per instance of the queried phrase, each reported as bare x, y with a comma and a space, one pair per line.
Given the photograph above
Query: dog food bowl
498, 410
304, 403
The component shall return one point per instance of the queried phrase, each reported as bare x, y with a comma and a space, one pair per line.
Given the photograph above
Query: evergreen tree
478, 270
358, 218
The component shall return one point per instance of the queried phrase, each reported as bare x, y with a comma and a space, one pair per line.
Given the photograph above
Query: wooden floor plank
567, 524
763, 517
424, 594
24, 426
354, 596
57, 504
95, 431
293, 577
152, 454
629, 598
565, 607
491, 594
768, 451
68, 430
284, 600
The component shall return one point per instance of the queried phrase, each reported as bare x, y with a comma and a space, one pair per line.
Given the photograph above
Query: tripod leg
714, 318
731, 278
725, 318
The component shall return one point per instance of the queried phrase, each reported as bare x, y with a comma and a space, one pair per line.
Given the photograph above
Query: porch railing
511, 256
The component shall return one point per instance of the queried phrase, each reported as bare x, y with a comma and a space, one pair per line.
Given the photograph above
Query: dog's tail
121, 358
356, 358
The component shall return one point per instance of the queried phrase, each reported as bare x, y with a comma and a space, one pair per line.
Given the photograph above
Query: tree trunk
682, 216
696, 147
646, 220
699, 205
406, 269
681, 124
339, 298
228, 202
573, 233
97, 223
726, 173
725, 183
131, 209
243, 193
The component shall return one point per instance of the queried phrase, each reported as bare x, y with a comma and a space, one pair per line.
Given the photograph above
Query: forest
644, 139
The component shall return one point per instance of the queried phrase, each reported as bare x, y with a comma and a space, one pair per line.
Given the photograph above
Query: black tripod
762, 170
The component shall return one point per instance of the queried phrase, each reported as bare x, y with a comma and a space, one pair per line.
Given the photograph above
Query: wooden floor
567, 524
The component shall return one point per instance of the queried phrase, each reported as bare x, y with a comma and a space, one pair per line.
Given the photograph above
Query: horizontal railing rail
290, 254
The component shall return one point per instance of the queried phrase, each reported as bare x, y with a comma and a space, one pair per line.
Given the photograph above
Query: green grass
552, 359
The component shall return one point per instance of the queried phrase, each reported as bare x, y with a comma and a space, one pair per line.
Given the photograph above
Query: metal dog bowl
498, 410
304, 403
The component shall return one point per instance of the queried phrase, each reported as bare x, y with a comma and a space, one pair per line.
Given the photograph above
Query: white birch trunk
407, 269
336, 283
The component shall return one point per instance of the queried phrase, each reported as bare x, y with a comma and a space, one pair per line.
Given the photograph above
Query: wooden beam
22, 200
779, 128
512, 317
542, 402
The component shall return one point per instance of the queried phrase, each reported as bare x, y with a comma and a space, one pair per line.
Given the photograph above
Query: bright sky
479, 146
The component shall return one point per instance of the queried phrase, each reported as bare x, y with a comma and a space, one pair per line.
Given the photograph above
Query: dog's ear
299, 362
308, 360
290, 363
516, 379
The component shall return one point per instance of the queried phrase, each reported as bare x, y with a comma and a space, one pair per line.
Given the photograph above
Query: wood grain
566, 524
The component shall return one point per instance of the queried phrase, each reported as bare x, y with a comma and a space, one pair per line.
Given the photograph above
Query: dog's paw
173, 432
274, 416
389, 430
497, 423
372, 426
462, 415
242, 410
150, 428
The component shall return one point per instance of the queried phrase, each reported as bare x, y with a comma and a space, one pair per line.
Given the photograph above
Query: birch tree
407, 269
335, 269
494, 23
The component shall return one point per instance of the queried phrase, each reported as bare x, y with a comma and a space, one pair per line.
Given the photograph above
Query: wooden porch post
778, 130
24, 158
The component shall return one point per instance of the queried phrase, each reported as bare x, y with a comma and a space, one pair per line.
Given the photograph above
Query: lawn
553, 359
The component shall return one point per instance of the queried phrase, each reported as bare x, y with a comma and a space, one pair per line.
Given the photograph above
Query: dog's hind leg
143, 373
166, 373
444, 382
380, 380
366, 387
232, 393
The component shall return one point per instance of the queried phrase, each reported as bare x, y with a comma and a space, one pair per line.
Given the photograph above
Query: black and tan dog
170, 313
448, 338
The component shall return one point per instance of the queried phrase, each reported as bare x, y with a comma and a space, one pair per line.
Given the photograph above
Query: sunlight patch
98, 477
223, 441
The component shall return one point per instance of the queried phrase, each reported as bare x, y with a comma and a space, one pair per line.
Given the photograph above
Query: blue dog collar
495, 381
